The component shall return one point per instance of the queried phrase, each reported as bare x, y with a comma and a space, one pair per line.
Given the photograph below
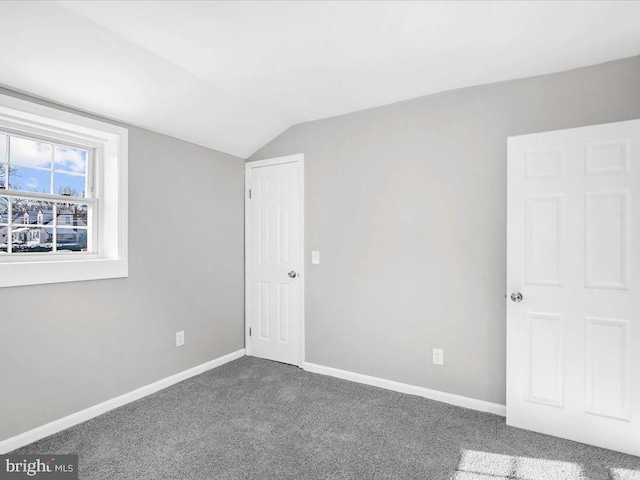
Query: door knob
516, 297
293, 274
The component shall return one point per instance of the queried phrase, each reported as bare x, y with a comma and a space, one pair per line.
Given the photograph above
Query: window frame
108, 146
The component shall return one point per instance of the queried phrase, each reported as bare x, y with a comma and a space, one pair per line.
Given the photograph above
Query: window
62, 196
46, 179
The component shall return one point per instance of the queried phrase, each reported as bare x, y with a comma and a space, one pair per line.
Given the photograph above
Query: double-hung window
63, 198
47, 198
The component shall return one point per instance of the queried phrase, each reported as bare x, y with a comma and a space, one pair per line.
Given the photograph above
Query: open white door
573, 279
274, 264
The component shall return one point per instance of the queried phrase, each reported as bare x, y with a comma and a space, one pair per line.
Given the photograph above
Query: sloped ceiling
233, 75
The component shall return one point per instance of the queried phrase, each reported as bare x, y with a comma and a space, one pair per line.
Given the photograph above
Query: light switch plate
315, 257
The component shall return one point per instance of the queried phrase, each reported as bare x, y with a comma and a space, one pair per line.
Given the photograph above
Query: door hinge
249, 331
249, 194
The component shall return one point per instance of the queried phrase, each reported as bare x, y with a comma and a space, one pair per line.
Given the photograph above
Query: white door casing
573, 241
274, 264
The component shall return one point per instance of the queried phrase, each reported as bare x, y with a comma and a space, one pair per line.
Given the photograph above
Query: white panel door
573, 279
274, 260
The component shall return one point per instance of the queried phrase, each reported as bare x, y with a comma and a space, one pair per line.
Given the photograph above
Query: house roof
47, 218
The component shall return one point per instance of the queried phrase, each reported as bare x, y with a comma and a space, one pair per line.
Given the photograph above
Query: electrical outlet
438, 356
180, 338
315, 257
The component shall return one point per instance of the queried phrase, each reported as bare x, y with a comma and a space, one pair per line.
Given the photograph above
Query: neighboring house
29, 236
70, 236
35, 228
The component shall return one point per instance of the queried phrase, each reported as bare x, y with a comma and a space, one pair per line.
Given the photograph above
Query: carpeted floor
255, 419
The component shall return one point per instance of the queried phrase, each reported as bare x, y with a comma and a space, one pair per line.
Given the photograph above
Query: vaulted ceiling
233, 75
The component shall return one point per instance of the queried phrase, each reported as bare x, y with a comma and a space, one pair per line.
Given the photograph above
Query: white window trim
111, 162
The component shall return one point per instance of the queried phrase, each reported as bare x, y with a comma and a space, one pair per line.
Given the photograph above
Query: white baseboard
450, 398
82, 416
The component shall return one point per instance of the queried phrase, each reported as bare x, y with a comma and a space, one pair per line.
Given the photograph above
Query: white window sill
56, 271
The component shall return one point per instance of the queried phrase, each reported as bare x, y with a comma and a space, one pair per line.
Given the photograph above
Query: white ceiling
233, 75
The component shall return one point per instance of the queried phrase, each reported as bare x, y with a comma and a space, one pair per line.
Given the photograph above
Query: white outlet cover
315, 257
180, 338
438, 356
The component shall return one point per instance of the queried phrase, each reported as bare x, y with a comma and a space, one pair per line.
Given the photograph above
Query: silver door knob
293, 274
516, 297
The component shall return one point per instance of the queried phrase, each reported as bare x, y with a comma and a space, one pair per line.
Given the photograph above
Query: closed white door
274, 259
573, 279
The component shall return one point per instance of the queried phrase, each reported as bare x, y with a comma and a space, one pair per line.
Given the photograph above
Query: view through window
46, 202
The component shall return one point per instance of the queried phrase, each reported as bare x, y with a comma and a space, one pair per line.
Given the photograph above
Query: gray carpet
255, 419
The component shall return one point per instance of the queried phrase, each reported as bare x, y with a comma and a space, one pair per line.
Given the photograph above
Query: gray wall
65, 347
407, 205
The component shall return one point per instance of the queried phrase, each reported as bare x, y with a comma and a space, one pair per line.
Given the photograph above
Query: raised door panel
543, 240
607, 368
264, 310
541, 164
283, 313
606, 239
545, 363
606, 157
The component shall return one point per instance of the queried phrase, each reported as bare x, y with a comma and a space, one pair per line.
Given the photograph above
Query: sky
31, 163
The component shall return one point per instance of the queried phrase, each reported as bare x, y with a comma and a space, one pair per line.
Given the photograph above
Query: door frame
249, 166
